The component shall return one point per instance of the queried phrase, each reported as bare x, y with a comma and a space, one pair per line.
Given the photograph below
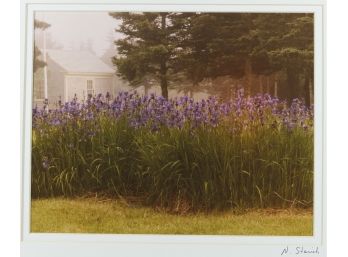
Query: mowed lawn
112, 216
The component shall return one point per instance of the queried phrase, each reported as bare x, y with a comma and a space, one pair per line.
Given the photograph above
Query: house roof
79, 61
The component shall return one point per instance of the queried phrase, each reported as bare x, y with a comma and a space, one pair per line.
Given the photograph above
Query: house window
90, 88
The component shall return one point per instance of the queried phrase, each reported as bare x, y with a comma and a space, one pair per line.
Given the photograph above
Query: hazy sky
71, 29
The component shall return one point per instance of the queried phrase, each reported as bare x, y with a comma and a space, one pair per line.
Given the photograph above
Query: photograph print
178, 123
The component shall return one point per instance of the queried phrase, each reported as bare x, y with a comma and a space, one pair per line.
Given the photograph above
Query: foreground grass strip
111, 216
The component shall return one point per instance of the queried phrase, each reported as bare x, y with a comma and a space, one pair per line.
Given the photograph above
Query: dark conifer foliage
147, 48
197, 46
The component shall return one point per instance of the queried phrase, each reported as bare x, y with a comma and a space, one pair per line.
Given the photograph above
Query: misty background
95, 32
76, 30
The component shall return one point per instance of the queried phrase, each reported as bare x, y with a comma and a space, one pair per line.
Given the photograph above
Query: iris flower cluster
156, 112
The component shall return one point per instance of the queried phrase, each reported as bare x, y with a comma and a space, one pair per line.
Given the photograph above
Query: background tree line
168, 47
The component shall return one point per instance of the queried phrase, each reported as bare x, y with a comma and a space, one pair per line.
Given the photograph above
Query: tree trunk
268, 85
191, 93
292, 84
275, 83
146, 89
260, 84
311, 91
164, 85
307, 91
276, 88
308, 88
247, 76
163, 64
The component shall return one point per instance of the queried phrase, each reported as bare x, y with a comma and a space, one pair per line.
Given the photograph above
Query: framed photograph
173, 128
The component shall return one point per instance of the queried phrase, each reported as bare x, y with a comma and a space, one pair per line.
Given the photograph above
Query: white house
72, 72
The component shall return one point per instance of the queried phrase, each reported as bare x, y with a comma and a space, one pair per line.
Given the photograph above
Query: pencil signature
299, 250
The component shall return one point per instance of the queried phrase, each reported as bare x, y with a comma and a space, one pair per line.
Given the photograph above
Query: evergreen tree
214, 44
147, 49
286, 43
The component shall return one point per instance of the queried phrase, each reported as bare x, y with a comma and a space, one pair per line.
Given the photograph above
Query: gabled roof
79, 61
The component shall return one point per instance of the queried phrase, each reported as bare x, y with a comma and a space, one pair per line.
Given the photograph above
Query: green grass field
111, 216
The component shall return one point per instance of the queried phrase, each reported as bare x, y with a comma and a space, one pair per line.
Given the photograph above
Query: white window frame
90, 91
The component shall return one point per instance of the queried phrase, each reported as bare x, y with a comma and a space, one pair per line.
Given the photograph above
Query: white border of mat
105, 245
